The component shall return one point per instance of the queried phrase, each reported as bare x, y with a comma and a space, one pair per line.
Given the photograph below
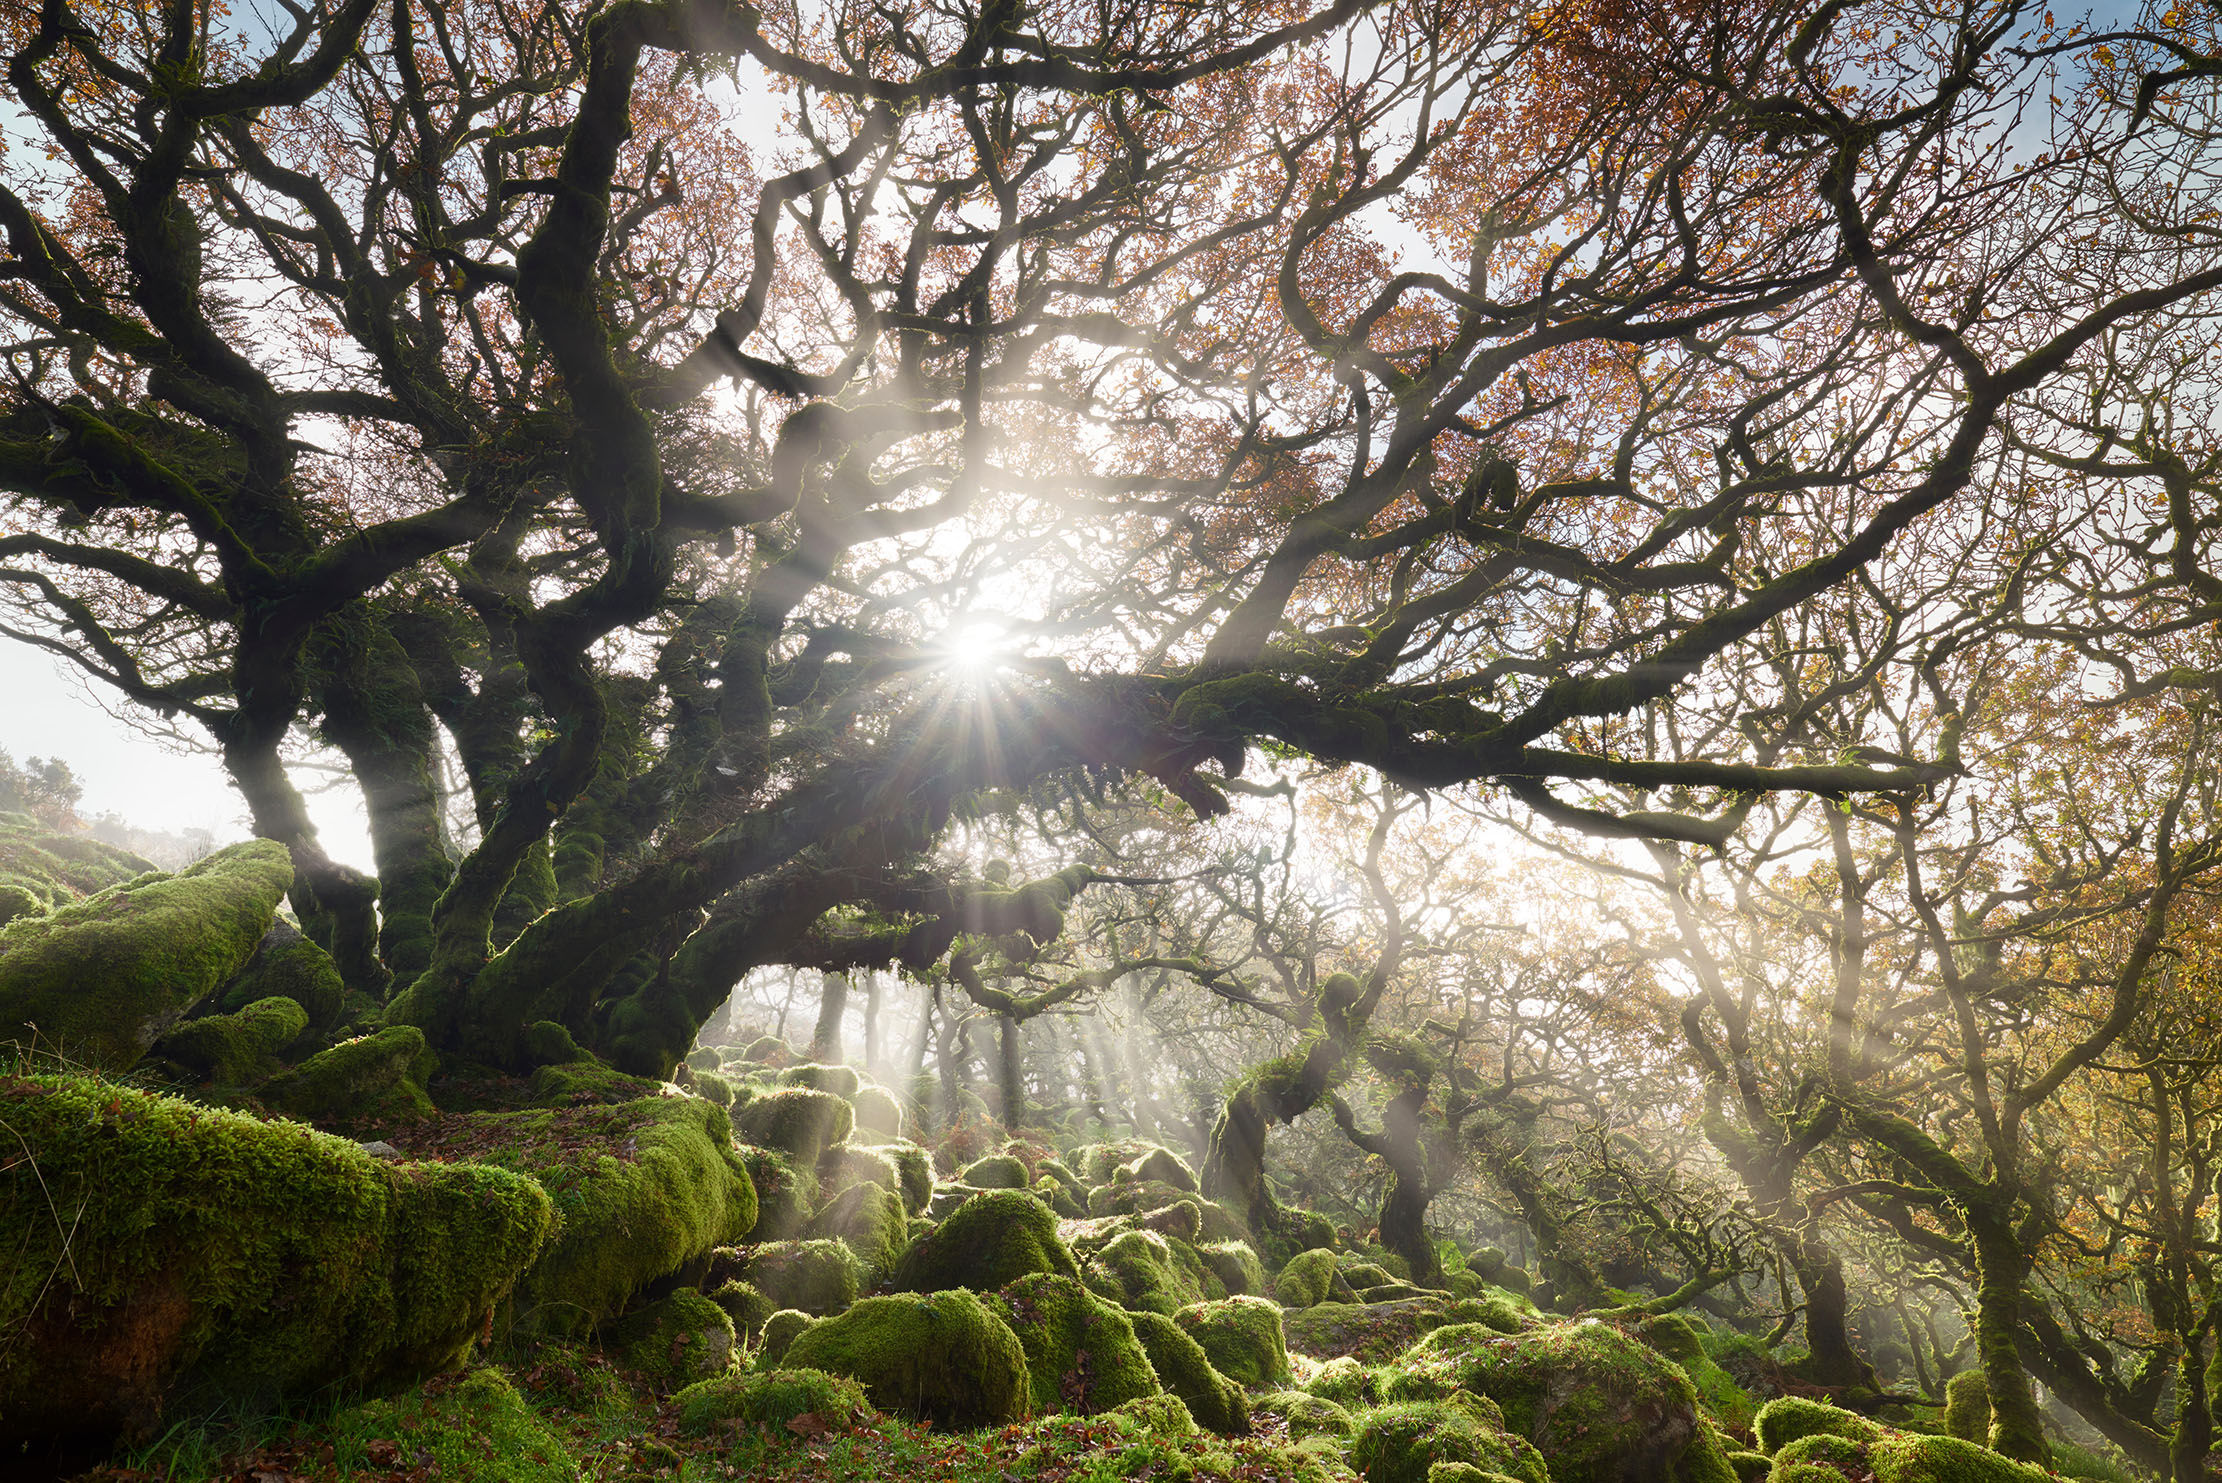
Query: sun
976, 647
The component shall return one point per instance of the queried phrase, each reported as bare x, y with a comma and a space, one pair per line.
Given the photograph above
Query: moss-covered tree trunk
1011, 1069
833, 1004
2017, 1427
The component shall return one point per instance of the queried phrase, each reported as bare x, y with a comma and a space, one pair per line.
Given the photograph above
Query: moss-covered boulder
996, 1171
99, 980
234, 1049
1399, 1443
286, 965
914, 1176
1897, 1457
743, 1302
476, 1430
1081, 1353
1375, 1333
817, 1277
988, 1242
1144, 1271
1217, 1402
1242, 1338
1679, 1339
676, 1340
1597, 1404
374, 1079
870, 1221
165, 1254
769, 1400
849, 1163
711, 1087
1139, 1195
780, 1332
641, 1190
783, 1202
1235, 1265
1785, 1419
42, 869
842, 1081
1311, 1278
879, 1116
1163, 1416
586, 1082
1303, 1414
800, 1122
1343, 1381
944, 1356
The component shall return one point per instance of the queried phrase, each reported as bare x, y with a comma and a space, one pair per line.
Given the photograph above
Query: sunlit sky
150, 783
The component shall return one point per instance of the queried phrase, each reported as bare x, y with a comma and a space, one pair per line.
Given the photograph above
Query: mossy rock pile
1891, 1456
101, 979
769, 1400
677, 1340
1597, 1404
641, 1189
287, 965
988, 1242
800, 1122
41, 869
476, 1429
816, 1277
1216, 1402
871, 1222
1410, 1442
1145, 1271
945, 1357
179, 1274
1081, 1352
1241, 1337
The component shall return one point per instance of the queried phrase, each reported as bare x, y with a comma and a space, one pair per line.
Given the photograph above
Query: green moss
1144, 1271
1343, 1381
1136, 1196
1057, 1198
818, 1277
849, 1163
1304, 1414
1890, 1456
478, 1430
1081, 1353
550, 1044
988, 1242
1242, 1338
769, 1400
1676, 1337
871, 1222
233, 1049
1750, 1467
1159, 1166
879, 1116
1362, 1275
743, 1302
374, 1079
767, 1050
780, 1331
287, 965
586, 1082
944, 1356
996, 1171
42, 869
1787, 1418
1397, 1444
841, 1081
177, 1275
1311, 1278
914, 1172
800, 1122
1371, 1332
1160, 1415
677, 1340
1598, 1405
99, 980
782, 1195
1235, 1265
1217, 1403
641, 1189
1967, 1407
712, 1087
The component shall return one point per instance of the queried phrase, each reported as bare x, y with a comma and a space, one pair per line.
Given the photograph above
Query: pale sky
153, 784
